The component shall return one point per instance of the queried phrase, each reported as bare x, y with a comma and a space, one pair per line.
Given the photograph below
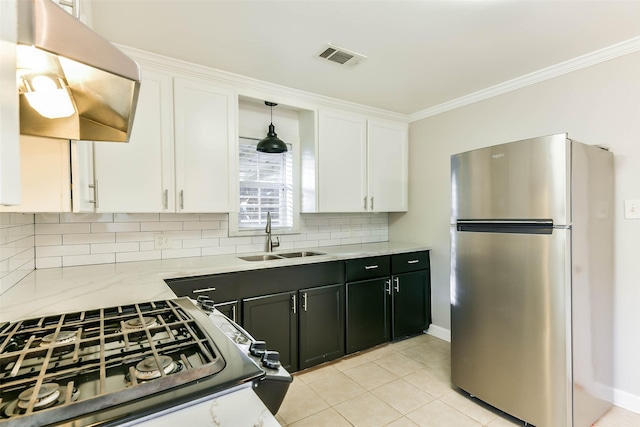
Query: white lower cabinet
179, 155
362, 164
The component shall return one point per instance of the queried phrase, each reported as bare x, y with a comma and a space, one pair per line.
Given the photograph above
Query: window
266, 185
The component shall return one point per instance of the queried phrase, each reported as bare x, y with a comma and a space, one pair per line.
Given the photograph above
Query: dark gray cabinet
231, 309
388, 298
273, 319
410, 294
368, 303
321, 323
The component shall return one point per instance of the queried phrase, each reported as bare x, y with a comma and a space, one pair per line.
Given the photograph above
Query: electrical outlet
162, 241
632, 209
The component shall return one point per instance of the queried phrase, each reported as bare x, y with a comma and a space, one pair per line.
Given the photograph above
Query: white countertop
68, 289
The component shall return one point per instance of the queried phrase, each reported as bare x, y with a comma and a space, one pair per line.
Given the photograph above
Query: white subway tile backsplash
137, 217
180, 253
74, 239
80, 239
115, 227
45, 251
47, 218
138, 256
63, 228
48, 262
161, 226
135, 237
71, 260
17, 243
104, 248
86, 217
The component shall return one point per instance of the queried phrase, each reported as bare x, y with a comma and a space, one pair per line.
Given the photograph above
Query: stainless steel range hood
73, 83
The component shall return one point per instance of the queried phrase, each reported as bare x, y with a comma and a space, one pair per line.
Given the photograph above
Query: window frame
234, 229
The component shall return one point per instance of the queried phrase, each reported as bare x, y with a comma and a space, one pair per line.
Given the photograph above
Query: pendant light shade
271, 143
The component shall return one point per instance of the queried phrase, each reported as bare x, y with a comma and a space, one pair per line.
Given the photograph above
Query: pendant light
271, 143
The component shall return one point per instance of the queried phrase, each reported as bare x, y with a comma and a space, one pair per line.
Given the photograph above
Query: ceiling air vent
340, 55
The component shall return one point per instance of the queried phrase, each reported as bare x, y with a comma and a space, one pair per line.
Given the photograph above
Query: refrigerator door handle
521, 226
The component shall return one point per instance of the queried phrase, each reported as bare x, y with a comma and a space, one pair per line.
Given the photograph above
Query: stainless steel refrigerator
532, 279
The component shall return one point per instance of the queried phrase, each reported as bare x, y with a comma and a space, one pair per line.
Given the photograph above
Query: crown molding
580, 62
254, 88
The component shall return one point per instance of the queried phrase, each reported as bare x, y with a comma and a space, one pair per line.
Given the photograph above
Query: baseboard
626, 400
439, 332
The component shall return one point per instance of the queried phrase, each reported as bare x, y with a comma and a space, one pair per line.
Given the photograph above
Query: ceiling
419, 53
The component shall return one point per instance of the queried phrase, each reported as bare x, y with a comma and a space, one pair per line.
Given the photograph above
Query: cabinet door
138, 176
321, 324
342, 169
368, 313
273, 319
411, 303
205, 145
387, 166
46, 178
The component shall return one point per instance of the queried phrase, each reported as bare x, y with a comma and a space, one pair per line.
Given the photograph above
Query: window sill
261, 232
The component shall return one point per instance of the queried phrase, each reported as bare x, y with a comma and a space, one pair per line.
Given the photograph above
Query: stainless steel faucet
270, 243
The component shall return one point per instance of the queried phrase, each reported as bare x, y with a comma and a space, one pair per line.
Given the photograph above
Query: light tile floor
397, 385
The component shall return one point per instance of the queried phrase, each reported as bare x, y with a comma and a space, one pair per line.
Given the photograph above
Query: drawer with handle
368, 268
412, 261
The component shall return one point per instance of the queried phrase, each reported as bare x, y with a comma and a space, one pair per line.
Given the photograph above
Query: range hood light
88, 90
49, 96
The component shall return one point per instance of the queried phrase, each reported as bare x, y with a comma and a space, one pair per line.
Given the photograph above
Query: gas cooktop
99, 366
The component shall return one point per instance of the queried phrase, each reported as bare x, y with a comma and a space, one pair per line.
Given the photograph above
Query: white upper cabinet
138, 176
362, 164
387, 166
342, 167
45, 183
204, 145
179, 155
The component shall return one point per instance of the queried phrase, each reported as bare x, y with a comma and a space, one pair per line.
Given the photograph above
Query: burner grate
94, 352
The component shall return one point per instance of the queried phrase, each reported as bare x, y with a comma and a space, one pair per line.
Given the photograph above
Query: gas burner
148, 369
137, 324
63, 337
48, 395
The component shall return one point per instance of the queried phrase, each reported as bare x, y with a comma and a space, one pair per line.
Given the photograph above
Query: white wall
598, 105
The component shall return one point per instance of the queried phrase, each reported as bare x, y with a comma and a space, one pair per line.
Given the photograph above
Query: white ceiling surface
420, 53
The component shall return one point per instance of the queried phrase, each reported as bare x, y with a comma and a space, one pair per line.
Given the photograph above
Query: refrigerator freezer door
526, 179
510, 305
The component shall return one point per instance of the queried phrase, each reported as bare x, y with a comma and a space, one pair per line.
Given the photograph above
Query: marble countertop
67, 289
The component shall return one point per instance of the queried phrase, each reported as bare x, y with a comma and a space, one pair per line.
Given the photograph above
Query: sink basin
299, 254
260, 257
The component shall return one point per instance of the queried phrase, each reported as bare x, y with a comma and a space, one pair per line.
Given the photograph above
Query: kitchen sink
259, 257
299, 254
268, 257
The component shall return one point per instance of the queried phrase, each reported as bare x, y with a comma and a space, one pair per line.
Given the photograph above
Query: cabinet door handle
233, 313
95, 193
387, 286
370, 267
304, 301
198, 291
293, 298
413, 261
166, 199
181, 199
365, 203
397, 287
371, 202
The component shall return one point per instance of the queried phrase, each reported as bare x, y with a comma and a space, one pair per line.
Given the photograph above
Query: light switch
632, 209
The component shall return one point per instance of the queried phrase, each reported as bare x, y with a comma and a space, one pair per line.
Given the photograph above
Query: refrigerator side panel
520, 180
592, 286
509, 314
